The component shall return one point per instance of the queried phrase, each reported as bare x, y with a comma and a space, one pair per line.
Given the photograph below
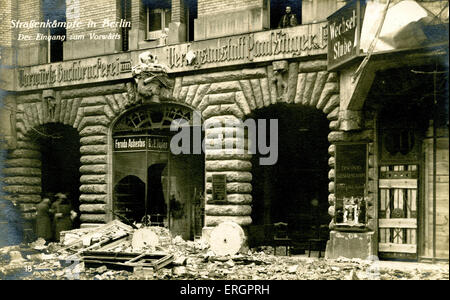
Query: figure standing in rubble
63, 215
43, 220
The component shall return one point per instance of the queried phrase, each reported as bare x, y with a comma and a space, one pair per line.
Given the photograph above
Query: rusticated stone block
22, 171
225, 132
228, 165
25, 153
93, 159
203, 103
332, 104
331, 199
224, 98
224, 87
201, 92
93, 169
23, 162
121, 100
94, 179
309, 87
93, 188
94, 149
93, 101
27, 145
66, 117
93, 198
332, 150
112, 103
241, 101
18, 198
331, 211
264, 83
312, 66
228, 210
331, 161
233, 187
331, 174
272, 85
231, 176
331, 187
94, 140
94, 110
334, 115
216, 220
257, 93
301, 84
225, 144
335, 136
330, 89
224, 76
228, 154
109, 112
334, 125
177, 87
222, 121
22, 189
94, 130
291, 82
246, 88
183, 93
93, 218
74, 111
93, 121
78, 117
94, 91
318, 88
92, 208
191, 93
21, 180
234, 198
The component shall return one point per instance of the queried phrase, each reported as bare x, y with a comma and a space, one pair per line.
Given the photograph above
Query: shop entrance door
397, 213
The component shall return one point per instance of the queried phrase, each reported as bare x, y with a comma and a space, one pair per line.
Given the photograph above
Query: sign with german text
350, 183
219, 187
344, 29
141, 143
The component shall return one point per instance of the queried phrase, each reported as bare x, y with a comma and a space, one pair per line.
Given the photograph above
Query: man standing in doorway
289, 19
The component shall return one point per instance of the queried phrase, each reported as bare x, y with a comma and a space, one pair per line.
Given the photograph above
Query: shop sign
141, 143
219, 188
344, 30
350, 183
74, 72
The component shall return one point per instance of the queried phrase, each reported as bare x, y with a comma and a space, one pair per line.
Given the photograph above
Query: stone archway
226, 96
88, 110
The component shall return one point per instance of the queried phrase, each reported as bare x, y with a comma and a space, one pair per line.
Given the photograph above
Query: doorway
295, 189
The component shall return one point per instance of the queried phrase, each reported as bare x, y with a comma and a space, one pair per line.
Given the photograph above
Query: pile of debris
118, 251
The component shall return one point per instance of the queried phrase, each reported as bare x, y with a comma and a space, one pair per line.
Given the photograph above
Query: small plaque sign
350, 183
219, 188
141, 143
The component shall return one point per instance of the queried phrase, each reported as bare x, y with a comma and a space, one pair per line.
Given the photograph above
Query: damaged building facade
362, 159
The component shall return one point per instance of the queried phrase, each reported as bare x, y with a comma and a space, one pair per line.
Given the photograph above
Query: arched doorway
60, 155
171, 184
295, 189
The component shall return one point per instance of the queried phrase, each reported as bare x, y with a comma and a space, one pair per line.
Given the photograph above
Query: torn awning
407, 25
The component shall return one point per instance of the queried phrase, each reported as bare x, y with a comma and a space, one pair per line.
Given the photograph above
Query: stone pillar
177, 27
138, 24
225, 154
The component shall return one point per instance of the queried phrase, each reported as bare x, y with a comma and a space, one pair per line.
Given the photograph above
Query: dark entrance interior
60, 148
155, 193
295, 189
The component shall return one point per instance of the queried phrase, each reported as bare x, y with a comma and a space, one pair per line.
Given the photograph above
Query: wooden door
397, 214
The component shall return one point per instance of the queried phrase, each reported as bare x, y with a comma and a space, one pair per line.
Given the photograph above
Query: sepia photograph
223, 146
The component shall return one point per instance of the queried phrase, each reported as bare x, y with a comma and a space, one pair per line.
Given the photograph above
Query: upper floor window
55, 10
159, 15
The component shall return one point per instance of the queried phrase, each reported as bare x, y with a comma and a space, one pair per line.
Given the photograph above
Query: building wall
207, 7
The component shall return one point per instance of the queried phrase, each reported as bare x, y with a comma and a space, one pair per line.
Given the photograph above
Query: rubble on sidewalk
115, 251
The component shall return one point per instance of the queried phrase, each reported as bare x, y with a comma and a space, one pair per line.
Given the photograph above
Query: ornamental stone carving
152, 85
